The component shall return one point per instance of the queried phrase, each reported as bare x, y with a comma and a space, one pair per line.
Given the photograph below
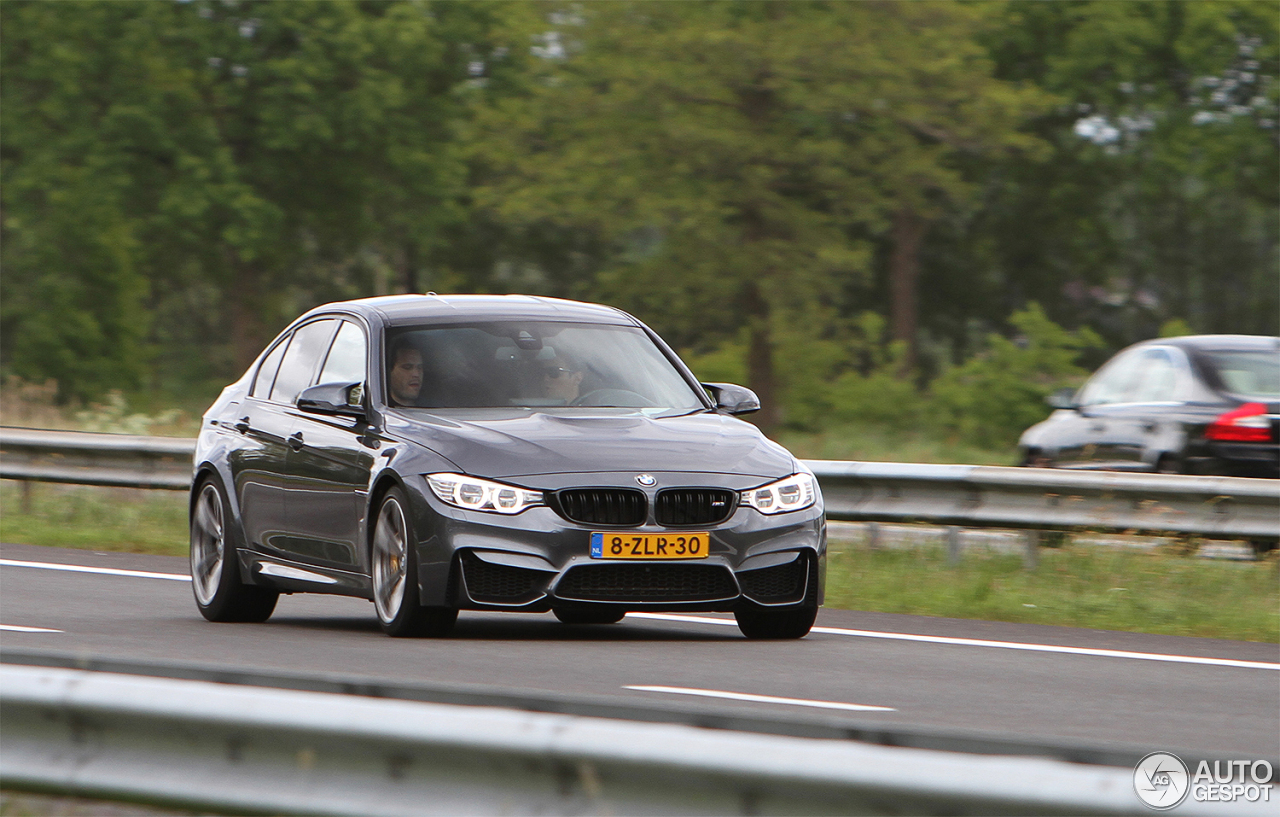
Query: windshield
1248, 373
531, 364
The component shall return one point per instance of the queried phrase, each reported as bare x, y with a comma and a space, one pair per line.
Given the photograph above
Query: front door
330, 467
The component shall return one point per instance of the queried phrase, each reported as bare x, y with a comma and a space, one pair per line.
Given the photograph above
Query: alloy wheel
390, 560
208, 545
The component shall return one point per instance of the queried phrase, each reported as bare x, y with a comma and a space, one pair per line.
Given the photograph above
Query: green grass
116, 519
873, 443
1097, 587
1157, 591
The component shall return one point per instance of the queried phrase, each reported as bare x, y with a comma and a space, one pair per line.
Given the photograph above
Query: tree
1159, 197
211, 165
730, 152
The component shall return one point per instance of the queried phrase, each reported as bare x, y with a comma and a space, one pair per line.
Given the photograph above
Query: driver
404, 374
562, 379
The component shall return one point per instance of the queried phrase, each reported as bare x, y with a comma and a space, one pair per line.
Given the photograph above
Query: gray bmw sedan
442, 453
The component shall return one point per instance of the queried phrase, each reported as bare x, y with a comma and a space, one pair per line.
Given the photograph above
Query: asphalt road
1029, 682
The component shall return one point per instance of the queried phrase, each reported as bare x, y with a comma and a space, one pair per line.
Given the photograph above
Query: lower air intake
647, 583
775, 585
500, 584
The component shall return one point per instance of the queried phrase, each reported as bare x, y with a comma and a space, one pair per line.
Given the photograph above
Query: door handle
1148, 427
1098, 427
242, 425
295, 441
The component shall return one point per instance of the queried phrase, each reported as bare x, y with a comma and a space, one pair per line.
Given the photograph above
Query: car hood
522, 442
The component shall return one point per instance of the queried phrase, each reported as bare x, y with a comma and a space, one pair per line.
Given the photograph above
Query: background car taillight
1247, 424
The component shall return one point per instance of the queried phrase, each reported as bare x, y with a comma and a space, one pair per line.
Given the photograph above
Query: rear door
1100, 436
258, 463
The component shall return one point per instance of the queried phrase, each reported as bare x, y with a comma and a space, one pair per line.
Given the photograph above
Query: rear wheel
215, 574
588, 616
394, 567
773, 622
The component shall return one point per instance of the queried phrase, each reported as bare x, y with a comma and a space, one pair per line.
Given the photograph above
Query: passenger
562, 379
404, 374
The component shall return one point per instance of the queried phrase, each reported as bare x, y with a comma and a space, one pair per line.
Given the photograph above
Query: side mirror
340, 399
731, 399
1063, 398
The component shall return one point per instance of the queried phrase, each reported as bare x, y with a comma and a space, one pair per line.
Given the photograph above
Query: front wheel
776, 623
394, 567
215, 576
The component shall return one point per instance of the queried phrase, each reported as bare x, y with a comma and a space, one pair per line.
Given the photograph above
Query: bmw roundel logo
646, 480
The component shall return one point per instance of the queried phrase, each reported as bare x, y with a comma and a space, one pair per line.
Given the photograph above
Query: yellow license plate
650, 545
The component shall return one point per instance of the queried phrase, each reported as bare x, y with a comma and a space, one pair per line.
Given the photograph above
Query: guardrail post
26, 497
1031, 553
873, 536
953, 545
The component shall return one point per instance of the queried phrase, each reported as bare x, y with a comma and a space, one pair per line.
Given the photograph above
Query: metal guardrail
200, 745
1050, 499
88, 458
961, 495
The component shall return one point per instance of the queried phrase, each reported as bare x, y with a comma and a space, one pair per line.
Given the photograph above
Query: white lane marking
18, 628
108, 571
977, 642
763, 699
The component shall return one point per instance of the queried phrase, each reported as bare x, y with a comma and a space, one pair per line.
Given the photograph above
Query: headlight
794, 493
474, 494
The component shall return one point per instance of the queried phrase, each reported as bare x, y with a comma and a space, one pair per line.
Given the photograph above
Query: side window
267, 371
1157, 378
1113, 382
309, 343
346, 361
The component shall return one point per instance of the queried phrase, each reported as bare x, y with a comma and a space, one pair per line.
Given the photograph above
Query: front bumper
537, 560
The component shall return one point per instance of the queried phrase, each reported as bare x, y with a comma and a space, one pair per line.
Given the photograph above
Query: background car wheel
215, 571
394, 569
768, 622
587, 616
1169, 464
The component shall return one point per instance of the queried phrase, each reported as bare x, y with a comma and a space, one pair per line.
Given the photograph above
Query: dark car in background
433, 454
1201, 404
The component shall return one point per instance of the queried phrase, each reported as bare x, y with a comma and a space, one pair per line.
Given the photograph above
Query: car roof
411, 309
1212, 343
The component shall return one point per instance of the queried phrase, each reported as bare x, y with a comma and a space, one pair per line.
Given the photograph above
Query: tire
393, 569
589, 616
776, 623
1169, 464
220, 593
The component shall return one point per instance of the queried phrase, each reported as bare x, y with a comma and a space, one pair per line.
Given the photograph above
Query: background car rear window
346, 360
1249, 373
309, 343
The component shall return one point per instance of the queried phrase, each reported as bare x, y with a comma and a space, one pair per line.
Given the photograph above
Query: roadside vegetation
1158, 591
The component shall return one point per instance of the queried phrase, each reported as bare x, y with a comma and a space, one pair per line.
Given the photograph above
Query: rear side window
1156, 379
309, 343
267, 371
1113, 382
347, 356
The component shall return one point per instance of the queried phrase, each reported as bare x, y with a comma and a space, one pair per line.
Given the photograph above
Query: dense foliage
878, 212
